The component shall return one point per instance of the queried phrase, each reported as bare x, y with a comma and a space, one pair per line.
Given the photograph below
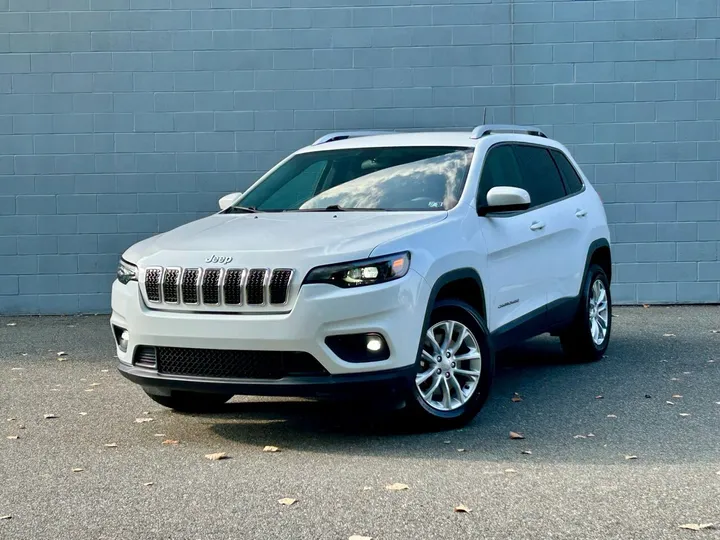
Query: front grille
255, 288
279, 286
226, 364
152, 283
170, 285
211, 286
218, 286
189, 286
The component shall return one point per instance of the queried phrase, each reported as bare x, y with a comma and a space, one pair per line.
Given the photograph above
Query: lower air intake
226, 364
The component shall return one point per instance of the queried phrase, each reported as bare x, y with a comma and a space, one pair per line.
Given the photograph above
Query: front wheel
588, 336
190, 402
454, 369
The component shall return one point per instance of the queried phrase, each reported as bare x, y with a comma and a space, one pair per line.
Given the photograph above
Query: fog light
359, 347
374, 344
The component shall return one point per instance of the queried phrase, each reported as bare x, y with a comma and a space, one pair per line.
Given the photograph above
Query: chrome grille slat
255, 287
233, 287
152, 283
278, 287
211, 286
171, 280
217, 287
191, 278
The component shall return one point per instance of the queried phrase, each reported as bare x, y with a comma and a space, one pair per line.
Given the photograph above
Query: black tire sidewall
594, 273
463, 313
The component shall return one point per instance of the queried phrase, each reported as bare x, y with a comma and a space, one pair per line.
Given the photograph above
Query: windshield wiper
242, 210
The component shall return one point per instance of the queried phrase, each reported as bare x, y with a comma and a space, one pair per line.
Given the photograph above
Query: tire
190, 402
580, 340
433, 412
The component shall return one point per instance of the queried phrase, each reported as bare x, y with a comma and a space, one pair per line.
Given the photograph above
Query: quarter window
573, 183
540, 175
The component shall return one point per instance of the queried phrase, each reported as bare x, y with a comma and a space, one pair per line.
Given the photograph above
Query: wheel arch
451, 284
599, 253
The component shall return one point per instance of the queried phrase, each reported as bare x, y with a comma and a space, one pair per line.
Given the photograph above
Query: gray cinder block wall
120, 119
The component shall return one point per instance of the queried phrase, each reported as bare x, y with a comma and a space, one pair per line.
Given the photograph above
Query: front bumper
387, 383
396, 310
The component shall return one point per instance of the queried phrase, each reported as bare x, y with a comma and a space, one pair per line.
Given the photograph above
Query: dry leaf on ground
149, 484
271, 449
631, 457
516, 398
49, 416
287, 501
611, 416
590, 434
77, 469
5, 517
82, 414
397, 487
358, 537
143, 420
462, 509
646, 306
684, 414
598, 397
527, 452
668, 335
111, 445
460, 449
579, 437
697, 526
62, 353
13, 437
514, 435
12, 324
170, 441
217, 456
670, 403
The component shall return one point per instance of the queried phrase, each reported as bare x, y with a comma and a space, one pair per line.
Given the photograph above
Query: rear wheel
191, 402
587, 338
454, 368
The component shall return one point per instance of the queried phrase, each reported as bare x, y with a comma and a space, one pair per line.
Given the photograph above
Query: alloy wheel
450, 365
598, 312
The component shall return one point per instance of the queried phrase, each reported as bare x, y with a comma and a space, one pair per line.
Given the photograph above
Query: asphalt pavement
581, 423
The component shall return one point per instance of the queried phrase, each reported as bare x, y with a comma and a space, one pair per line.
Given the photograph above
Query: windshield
401, 178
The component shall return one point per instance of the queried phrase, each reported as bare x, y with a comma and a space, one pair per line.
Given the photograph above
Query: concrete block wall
632, 88
120, 119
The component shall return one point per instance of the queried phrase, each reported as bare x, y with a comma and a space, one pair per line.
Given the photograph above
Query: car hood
278, 239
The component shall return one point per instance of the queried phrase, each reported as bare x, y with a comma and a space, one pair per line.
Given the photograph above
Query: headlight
359, 273
126, 272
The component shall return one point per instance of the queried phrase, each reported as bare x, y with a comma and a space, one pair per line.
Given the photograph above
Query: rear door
515, 274
576, 209
551, 208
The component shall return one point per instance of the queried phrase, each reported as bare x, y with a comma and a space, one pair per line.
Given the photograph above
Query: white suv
372, 264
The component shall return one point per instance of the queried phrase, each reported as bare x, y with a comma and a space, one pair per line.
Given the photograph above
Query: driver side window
500, 169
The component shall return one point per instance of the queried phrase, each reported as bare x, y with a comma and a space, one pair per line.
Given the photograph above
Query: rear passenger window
568, 172
500, 169
540, 175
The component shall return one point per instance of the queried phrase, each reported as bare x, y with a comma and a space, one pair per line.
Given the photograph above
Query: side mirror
226, 201
505, 199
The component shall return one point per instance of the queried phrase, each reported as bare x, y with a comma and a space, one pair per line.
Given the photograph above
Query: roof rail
341, 135
481, 131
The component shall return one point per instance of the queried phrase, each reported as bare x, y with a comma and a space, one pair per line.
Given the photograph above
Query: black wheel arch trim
595, 246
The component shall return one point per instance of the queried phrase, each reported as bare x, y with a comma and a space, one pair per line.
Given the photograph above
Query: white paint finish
525, 260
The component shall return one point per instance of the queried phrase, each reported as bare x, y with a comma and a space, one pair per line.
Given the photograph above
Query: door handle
581, 213
537, 226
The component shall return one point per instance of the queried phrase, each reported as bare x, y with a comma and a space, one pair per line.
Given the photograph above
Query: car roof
459, 139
